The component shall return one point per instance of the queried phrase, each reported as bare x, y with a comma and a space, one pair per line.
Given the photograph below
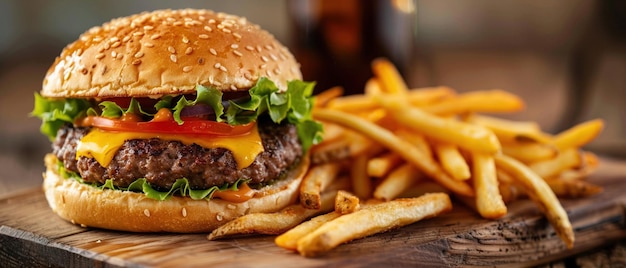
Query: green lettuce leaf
54, 113
180, 187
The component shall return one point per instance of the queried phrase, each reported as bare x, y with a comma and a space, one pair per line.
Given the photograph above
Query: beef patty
163, 162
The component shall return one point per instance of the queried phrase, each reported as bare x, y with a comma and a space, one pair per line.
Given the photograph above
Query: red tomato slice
191, 126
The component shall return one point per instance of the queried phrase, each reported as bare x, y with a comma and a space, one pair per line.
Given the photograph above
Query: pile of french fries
393, 155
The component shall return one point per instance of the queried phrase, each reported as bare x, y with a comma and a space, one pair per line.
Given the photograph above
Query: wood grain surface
32, 235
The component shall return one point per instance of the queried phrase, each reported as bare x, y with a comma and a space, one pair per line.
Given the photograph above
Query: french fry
381, 166
452, 161
346, 202
371, 220
314, 182
490, 101
289, 240
509, 131
397, 182
578, 135
390, 78
573, 188
428, 95
489, 203
272, 223
323, 98
361, 182
372, 87
542, 194
530, 152
567, 159
466, 136
408, 151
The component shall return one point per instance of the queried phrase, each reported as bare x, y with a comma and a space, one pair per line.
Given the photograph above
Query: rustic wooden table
31, 235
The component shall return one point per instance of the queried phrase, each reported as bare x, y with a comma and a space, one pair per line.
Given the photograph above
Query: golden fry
314, 182
371, 220
323, 98
467, 136
390, 78
361, 182
346, 202
289, 239
428, 95
509, 131
452, 161
578, 135
530, 152
380, 166
397, 182
489, 203
272, 223
408, 151
542, 194
565, 160
490, 101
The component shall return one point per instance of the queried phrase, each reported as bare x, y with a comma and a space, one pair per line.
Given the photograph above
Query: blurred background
566, 58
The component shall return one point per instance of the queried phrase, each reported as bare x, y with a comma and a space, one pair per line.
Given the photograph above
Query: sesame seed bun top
169, 52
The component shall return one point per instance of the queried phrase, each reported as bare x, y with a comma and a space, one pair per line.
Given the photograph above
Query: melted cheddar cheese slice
102, 145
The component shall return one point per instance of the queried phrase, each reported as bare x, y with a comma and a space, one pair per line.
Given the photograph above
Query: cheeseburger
174, 121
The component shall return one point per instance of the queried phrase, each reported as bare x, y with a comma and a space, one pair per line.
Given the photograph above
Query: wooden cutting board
31, 235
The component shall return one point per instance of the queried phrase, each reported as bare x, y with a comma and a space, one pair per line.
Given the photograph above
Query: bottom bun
129, 211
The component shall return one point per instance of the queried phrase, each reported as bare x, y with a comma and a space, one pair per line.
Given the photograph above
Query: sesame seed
223, 69
83, 225
234, 46
265, 59
208, 28
217, 65
263, 66
217, 83
139, 54
237, 53
212, 21
268, 73
116, 44
258, 48
120, 56
184, 212
136, 62
171, 49
101, 49
114, 39
219, 217
236, 35
113, 54
148, 27
277, 71
148, 45
250, 48
185, 40
138, 33
233, 87
202, 18
126, 38
187, 69
178, 23
226, 30
107, 46
227, 23
231, 206
146, 212
173, 58
203, 36
269, 47
273, 57
188, 51
97, 39
213, 51
155, 36
247, 76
